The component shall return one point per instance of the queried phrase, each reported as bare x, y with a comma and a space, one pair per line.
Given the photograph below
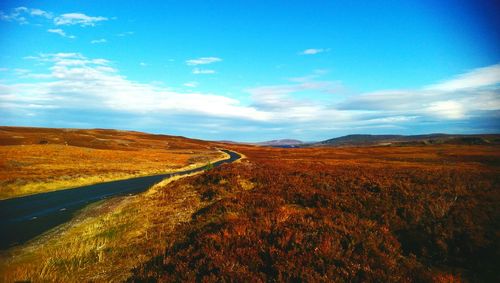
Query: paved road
24, 218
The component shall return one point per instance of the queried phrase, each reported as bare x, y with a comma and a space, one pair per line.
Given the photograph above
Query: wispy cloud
198, 71
14, 16
41, 13
286, 103
203, 61
74, 83
313, 51
60, 32
19, 15
473, 79
191, 84
78, 19
472, 95
457, 98
77, 82
97, 41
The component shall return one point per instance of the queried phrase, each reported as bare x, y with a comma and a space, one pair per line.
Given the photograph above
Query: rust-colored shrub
357, 215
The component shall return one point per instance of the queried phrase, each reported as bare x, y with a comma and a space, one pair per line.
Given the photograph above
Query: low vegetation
105, 241
34, 160
372, 214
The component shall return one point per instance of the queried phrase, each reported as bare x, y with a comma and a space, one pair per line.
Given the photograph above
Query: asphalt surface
24, 218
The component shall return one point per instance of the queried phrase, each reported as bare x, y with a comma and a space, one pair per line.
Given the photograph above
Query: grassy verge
105, 241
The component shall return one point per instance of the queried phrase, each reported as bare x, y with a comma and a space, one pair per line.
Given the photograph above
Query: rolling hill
401, 140
34, 160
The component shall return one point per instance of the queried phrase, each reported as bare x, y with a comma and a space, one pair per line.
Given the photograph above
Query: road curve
24, 218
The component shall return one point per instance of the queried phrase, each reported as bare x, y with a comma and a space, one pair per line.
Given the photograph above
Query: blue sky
252, 70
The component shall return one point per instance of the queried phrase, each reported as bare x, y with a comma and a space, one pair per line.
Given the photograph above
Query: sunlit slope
34, 160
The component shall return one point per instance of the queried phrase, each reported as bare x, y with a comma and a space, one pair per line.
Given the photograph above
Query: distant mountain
400, 140
282, 143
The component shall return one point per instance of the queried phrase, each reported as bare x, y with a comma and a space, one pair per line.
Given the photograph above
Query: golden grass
30, 169
35, 160
106, 240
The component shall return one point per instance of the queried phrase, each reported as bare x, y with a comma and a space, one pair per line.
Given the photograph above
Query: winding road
24, 218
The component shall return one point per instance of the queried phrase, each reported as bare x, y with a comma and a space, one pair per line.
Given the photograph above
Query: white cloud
191, 84
22, 14
19, 15
96, 41
454, 99
203, 61
198, 71
77, 82
78, 19
448, 109
41, 13
473, 79
460, 98
15, 16
60, 32
283, 102
313, 51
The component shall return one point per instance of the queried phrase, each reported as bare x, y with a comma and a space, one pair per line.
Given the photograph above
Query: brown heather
413, 214
371, 214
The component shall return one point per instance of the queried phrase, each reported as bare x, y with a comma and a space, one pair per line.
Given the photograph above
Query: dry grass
106, 240
83, 157
375, 195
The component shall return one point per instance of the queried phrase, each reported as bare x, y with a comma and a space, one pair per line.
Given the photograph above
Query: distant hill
282, 143
401, 140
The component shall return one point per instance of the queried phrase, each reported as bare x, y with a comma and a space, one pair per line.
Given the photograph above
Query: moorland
36, 160
413, 213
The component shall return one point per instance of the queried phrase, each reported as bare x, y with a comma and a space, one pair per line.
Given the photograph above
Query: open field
328, 214
34, 160
413, 214
250, 141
